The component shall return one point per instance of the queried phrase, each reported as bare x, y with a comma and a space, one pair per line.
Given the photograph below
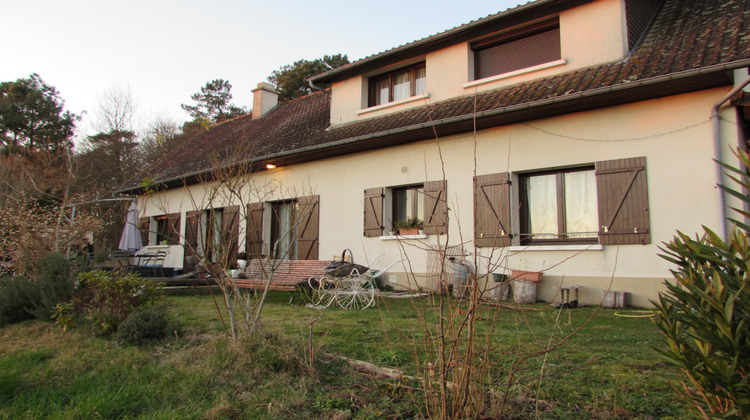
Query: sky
163, 51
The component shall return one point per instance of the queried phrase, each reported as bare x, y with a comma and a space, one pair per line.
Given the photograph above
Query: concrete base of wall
641, 290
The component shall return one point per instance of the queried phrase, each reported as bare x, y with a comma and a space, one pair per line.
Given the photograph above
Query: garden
604, 364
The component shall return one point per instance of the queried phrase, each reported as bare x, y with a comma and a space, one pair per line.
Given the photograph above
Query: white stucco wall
591, 34
674, 134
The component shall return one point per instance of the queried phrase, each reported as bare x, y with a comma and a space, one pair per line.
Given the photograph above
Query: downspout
715, 123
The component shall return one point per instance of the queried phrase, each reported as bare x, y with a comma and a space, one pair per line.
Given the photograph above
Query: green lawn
608, 369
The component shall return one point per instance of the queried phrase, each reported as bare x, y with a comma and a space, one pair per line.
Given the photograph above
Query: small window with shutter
168, 229
384, 207
519, 49
397, 85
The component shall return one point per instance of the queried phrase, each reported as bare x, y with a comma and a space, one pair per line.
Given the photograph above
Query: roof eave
645, 89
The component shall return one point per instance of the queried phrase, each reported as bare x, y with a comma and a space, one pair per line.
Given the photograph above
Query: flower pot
408, 231
526, 275
241, 264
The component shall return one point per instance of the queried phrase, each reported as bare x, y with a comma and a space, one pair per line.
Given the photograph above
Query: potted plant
242, 260
410, 226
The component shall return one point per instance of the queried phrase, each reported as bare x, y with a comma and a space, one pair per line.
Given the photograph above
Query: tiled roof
687, 38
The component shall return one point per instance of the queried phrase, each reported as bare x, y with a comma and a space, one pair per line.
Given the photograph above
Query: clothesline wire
687, 127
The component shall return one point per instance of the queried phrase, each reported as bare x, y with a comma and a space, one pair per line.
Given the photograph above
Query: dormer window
523, 48
397, 85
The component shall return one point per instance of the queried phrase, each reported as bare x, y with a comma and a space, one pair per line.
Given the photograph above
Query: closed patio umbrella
131, 236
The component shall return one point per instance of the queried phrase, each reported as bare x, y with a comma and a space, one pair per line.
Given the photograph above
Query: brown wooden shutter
622, 190
230, 229
192, 219
254, 233
373, 212
492, 226
191, 231
435, 208
145, 228
308, 227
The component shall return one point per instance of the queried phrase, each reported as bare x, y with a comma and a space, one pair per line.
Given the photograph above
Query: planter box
526, 275
408, 231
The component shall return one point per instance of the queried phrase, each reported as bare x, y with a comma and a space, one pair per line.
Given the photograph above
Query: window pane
408, 203
162, 229
541, 193
399, 206
420, 84
580, 204
380, 91
401, 85
284, 235
214, 236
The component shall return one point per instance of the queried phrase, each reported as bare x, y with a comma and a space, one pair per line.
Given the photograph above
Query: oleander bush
705, 315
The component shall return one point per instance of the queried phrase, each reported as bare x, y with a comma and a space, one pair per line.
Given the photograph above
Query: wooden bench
287, 274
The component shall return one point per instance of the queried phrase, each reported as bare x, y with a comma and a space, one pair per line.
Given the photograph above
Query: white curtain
420, 82
541, 193
581, 214
287, 239
401, 86
381, 91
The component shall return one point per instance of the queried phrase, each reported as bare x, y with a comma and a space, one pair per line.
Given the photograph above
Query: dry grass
608, 370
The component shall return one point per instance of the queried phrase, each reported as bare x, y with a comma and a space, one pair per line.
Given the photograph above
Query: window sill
402, 237
394, 103
515, 73
571, 247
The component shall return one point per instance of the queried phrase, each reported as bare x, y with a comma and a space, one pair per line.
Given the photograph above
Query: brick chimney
265, 98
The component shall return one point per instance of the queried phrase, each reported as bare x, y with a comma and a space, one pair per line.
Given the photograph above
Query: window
284, 230
168, 229
213, 233
397, 85
408, 203
290, 232
427, 202
605, 203
222, 234
516, 50
559, 206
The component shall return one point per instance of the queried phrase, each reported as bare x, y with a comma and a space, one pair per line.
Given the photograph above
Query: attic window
527, 47
397, 85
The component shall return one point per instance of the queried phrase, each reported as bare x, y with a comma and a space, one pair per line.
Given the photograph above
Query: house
568, 137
